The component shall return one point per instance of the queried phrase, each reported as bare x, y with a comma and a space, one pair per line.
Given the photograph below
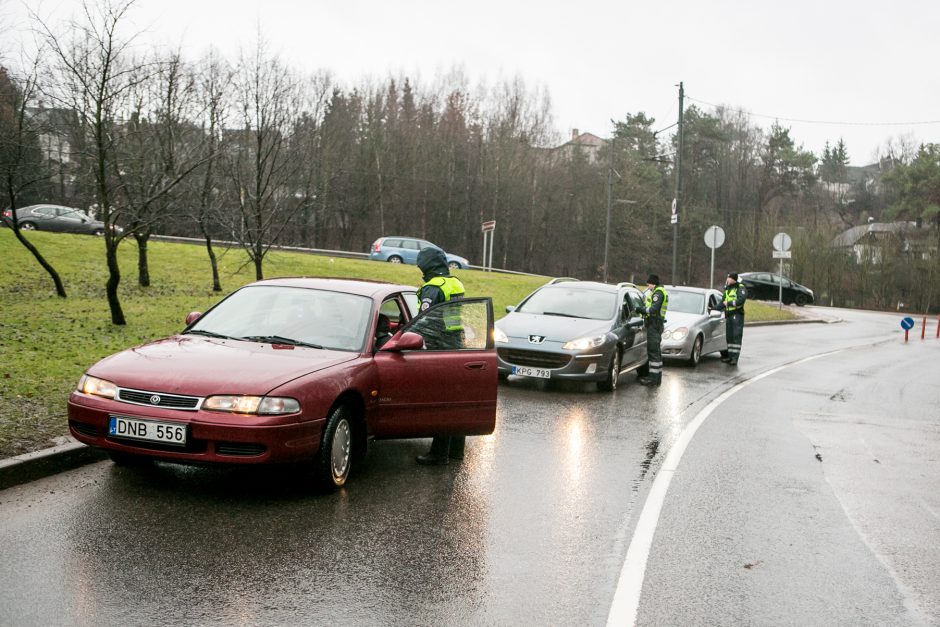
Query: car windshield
290, 315
573, 303
686, 302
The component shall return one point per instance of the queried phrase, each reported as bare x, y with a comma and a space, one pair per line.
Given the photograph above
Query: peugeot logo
154, 400
536, 339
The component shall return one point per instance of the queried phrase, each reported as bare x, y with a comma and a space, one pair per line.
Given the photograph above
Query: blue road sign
907, 323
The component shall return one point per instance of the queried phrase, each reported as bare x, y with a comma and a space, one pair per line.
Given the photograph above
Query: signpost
907, 324
714, 238
489, 230
782, 243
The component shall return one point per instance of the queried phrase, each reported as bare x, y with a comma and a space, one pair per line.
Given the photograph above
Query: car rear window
392, 243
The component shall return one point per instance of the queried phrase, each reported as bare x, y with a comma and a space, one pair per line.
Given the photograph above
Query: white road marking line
626, 602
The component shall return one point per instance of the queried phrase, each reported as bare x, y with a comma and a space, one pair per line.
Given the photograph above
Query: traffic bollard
923, 328
938, 326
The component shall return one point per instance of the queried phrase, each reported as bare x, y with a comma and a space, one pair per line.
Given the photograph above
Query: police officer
439, 287
654, 312
732, 302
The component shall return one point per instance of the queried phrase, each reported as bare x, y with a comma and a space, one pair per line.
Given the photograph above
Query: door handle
475, 365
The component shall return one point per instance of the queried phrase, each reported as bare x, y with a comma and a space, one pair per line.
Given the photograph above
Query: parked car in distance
397, 249
302, 371
766, 286
54, 218
574, 330
691, 329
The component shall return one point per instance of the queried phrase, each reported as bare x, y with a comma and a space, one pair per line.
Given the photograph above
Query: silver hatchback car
576, 331
691, 329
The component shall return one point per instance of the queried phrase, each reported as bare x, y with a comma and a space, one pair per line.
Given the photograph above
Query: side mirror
406, 341
714, 313
510, 308
192, 317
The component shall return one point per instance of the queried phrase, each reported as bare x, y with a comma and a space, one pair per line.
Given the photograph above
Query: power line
802, 121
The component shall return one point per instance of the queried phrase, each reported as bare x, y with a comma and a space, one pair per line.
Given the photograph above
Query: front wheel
696, 355
800, 300
394, 259
613, 374
453, 265
333, 462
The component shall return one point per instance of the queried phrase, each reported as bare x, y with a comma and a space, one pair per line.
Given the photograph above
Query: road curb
767, 323
38, 464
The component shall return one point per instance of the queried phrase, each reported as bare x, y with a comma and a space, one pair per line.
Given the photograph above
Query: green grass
755, 311
46, 342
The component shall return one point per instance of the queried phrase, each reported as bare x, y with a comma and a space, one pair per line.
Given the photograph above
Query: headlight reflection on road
574, 444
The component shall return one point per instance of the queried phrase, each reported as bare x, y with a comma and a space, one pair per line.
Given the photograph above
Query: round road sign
782, 241
907, 323
714, 236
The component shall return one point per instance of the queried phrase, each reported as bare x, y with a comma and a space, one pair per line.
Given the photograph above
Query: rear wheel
27, 226
696, 355
613, 375
394, 259
453, 265
333, 462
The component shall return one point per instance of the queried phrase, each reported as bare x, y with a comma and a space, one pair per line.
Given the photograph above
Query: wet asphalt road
533, 526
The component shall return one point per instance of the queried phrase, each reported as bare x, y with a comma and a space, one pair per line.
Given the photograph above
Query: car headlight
585, 343
500, 336
680, 333
97, 387
252, 404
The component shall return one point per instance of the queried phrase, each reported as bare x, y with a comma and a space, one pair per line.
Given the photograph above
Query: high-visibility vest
731, 295
452, 288
665, 305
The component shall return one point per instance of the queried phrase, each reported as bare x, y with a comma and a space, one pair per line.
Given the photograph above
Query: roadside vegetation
46, 342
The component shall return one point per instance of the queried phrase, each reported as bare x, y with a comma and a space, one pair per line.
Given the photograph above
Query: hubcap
27, 227
340, 451
395, 260
697, 351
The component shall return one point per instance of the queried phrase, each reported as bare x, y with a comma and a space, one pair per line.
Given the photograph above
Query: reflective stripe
655, 370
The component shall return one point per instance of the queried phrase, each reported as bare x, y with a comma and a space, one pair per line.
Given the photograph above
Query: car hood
558, 328
199, 366
675, 319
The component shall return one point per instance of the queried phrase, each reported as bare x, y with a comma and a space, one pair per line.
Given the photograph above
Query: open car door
445, 383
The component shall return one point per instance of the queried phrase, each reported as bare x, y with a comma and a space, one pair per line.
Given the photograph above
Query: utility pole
678, 198
610, 185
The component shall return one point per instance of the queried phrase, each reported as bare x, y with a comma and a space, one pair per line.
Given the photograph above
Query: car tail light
377, 246
7, 214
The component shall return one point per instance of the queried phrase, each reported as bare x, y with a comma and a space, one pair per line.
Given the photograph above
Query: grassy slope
47, 342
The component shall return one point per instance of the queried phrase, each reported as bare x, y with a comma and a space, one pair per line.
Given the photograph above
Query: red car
295, 370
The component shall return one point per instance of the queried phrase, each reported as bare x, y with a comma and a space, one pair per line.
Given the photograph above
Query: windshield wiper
558, 313
207, 334
279, 339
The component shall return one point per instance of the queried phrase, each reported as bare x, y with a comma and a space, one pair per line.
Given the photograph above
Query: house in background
587, 144
869, 242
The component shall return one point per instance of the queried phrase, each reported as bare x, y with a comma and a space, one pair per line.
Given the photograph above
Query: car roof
588, 285
360, 287
690, 288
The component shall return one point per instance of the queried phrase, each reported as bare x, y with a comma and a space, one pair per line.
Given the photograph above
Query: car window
333, 320
392, 310
636, 299
686, 302
761, 277
409, 244
454, 325
572, 303
392, 243
411, 301
45, 211
422, 244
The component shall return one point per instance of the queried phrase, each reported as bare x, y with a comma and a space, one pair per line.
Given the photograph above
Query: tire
696, 355
126, 460
27, 226
394, 259
502, 376
453, 265
613, 373
98, 233
800, 300
333, 461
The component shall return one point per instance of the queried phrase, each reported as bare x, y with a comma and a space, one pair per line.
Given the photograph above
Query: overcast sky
855, 61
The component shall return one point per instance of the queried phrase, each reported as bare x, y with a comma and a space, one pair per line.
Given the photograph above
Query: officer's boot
457, 444
437, 456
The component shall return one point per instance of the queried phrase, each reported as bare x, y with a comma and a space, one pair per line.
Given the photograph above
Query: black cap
654, 279
733, 275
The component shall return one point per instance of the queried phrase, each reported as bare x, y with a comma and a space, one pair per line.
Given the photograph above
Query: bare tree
259, 164
21, 165
91, 73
